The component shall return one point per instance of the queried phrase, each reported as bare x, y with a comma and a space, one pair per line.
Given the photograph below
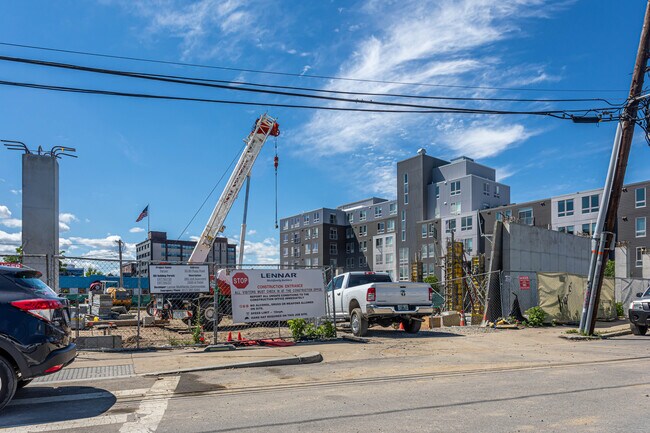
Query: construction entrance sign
261, 295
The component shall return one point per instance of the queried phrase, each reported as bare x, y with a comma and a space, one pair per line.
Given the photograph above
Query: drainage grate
88, 373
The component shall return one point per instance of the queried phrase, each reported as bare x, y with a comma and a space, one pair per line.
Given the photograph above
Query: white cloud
16, 191
251, 232
63, 227
265, 252
68, 218
9, 242
485, 141
136, 230
505, 172
4, 212
12, 223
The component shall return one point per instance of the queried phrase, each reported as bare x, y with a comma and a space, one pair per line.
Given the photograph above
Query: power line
280, 93
289, 74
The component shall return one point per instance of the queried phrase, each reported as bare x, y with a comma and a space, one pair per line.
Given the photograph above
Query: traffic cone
239, 336
229, 336
401, 326
462, 318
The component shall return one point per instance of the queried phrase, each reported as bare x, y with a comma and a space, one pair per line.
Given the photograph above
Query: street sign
524, 282
179, 278
262, 295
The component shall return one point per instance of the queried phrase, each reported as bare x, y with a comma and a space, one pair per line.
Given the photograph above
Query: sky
171, 154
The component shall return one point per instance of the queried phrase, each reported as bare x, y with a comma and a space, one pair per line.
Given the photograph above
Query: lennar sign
260, 295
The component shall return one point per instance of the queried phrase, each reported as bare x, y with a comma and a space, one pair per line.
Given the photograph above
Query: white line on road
67, 425
83, 396
153, 407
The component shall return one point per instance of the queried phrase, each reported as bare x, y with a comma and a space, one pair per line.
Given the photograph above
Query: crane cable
276, 161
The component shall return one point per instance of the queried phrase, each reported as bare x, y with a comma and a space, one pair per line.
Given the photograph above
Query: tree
18, 258
432, 280
62, 266
92, 271
610, 268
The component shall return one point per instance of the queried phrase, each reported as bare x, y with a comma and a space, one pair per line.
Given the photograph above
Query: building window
315, 232
379, 259
390, 226
316, 217
406, 188
526, 216
389, 241
349, 247
640, 227
505, 214
363, 230
362, 215
379, 243
285, 238
314, 247
334, 234
350, 217
468, 245
486, 189
285, 225
437, 191
377, 211
454, 209
639, 256
333, 219
424, 230
349, 233
307, 248
432, 251
590, 203
314, 261
466, 223
639, 197
392, 208
333, 263
363, 246
403, 273
381, 226
333, 249
362, 261
349, 262
308, 234
432, 231
285, 252
450, 225
305, 219
588, 229
404, 255
296, 238
423, 251
295, 251
565, 207
389, 258
307, 262
497, 191
403, 226
455, 187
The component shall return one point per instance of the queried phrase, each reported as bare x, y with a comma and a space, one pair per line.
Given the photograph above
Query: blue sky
170, 154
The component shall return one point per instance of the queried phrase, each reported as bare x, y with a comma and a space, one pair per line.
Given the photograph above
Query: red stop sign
240, 280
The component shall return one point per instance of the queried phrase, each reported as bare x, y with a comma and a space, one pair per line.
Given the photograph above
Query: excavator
203, 303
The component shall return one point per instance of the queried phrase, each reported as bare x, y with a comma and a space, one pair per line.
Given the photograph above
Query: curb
304, 358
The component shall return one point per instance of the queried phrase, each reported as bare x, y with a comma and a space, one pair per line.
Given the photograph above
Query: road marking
66, 425
152, 407
84, 396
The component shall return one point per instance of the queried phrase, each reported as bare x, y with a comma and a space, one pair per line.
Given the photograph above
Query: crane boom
264, 126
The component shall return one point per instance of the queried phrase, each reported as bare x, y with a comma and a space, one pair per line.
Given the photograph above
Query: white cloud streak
4, 212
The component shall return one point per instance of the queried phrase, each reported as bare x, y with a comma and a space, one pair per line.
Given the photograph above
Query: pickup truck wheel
358, 323
412, 326
8, 382
638, 329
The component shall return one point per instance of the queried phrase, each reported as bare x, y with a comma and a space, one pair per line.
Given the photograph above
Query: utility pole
119, 247
603, 234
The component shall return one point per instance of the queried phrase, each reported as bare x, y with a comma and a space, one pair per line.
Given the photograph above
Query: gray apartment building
158, 248
438, 198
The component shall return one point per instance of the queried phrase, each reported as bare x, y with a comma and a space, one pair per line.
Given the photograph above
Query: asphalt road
581, 395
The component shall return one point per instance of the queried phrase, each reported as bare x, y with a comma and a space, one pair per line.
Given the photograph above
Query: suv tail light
371, 295
430, 294
40, 308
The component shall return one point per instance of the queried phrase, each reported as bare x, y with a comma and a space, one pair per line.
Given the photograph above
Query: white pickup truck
371, 298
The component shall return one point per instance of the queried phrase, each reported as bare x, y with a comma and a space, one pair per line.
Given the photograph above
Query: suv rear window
359, 280
29, 280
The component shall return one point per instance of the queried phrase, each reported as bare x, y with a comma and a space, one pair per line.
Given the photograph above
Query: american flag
143, 214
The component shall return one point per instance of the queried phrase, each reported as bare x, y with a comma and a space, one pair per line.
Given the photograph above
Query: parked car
372, 298
639, 313
34, 330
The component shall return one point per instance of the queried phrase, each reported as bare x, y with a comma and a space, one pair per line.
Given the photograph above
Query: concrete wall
40, 215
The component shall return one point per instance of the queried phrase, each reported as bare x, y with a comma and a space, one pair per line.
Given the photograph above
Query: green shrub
620, 312
536, 316
301, 330
297, 328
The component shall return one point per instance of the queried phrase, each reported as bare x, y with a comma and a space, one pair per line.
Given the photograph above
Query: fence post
76, 331
137, 335
215, 328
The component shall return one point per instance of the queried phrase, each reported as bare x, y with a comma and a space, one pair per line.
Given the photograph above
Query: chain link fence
626, 290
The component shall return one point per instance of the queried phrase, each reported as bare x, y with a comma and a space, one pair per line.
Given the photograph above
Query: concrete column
40, 216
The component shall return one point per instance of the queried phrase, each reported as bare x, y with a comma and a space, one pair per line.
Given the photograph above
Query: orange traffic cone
239, 336
462, 318
401, 326
229, 336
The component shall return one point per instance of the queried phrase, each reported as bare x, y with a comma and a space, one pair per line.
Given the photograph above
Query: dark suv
639, 313
34, 330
